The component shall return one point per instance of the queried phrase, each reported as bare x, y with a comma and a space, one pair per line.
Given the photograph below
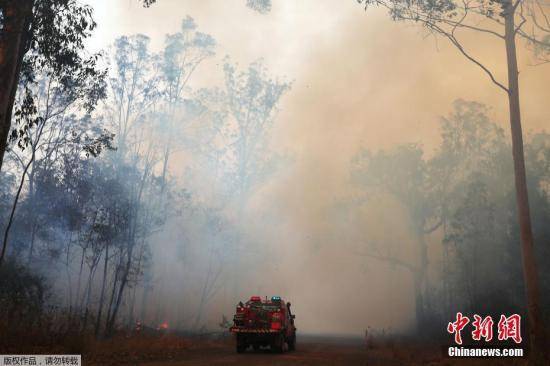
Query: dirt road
310, 351
323, 351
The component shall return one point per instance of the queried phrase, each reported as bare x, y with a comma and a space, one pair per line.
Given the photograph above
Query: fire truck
264, 323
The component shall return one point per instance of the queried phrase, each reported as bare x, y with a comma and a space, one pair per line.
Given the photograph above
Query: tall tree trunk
111, 321
113, 292
68, 272
79, 283
89, 295
418, 271
132, 306
420, 285
123, 281
418, 301
102, 293
31, 201
536, 326
4, 248
17, 15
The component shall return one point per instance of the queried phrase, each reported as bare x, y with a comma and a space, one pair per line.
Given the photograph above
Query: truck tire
278, 344
241, 348
292, 343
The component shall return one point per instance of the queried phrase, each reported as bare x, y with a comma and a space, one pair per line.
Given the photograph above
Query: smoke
359, 79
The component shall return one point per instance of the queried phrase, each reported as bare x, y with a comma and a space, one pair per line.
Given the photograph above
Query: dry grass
122, 350
168, 349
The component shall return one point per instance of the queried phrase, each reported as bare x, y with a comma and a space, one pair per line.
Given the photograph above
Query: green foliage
183, 51
252, 98
58, 31
56, 67
261, 6
22, 294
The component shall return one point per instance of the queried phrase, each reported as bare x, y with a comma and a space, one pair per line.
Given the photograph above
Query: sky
358, 79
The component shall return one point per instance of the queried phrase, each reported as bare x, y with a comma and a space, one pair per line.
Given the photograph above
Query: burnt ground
175, 351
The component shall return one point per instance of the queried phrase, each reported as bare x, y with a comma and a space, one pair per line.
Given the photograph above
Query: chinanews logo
508, 330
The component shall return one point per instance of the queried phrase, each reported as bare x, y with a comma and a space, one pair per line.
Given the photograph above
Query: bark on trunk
113, 292
123, 281
535, 324
17, 17
420, 284
77, 299
102, 293
111, 321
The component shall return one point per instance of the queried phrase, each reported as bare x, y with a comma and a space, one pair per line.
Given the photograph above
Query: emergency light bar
276, 298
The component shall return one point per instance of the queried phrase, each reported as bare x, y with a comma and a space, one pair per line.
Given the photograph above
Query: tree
134, 97
261, 6
184, 51
505, 20
36, 35
252, 99
402, 173
52, 99
133, 90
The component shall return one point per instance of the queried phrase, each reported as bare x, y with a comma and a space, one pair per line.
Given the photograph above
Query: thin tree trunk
32, 200
536, 326
133, 299
419, 277
123, 282
113, 292
13, 209
102, 293
34, 228
93, 268
68, 272
16, 18
79, 283
112, 319
144, 300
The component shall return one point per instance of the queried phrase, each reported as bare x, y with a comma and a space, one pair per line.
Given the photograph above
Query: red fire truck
262, 323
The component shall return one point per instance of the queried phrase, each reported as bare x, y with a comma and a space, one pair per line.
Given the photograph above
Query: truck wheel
278, 344
292, 343
241, 348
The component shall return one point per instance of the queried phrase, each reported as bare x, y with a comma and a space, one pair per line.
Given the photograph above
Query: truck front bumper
253, 330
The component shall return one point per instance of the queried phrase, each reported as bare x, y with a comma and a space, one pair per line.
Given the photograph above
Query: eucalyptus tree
132, 96
472, 148
261, 6
183, 52
481, 234
253, 98
133, 90
35, 35
402, 173
52, 110
504, 21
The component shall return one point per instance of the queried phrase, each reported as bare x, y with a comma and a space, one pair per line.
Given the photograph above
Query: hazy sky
358, 79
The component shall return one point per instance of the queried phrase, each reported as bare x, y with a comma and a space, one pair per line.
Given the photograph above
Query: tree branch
391, 260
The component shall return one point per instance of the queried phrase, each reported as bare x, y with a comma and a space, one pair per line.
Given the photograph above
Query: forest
153, 178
